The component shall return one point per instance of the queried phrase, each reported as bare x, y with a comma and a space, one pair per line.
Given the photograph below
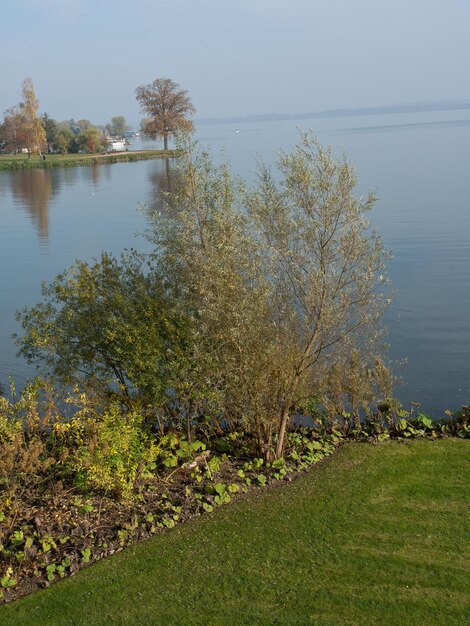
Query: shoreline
14, 163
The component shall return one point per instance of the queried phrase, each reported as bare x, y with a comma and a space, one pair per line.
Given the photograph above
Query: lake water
418, 164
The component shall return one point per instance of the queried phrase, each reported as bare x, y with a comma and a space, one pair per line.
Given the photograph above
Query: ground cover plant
74, 491
376, 535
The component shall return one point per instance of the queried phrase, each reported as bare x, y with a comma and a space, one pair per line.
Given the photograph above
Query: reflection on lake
33, 190
418, 163
160, 180
50, 217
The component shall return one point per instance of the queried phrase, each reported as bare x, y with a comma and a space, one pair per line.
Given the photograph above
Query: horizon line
414, 107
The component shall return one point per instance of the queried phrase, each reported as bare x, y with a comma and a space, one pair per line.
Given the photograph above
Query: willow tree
329, 283
167, 107
32, 125
285, 286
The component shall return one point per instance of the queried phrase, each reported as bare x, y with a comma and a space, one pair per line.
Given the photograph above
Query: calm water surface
418, 164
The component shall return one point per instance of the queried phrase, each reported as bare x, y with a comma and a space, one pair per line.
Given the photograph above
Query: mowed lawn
69, 159
375, 535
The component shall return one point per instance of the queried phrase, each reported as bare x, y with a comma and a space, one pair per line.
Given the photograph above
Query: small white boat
117, 146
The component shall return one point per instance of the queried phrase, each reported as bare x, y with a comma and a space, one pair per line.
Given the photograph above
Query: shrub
108, 323
107, 452
25, 452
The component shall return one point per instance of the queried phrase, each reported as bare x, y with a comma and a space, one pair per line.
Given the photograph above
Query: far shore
21, 161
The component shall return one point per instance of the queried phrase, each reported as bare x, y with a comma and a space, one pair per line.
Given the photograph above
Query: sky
235, 58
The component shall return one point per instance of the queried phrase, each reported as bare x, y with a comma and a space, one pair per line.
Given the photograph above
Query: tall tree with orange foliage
31, 124
167, 106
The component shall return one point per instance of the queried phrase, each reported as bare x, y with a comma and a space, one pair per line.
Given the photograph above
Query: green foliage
89, 140
261, 479
64, 140
108, 323
86, 553
173, 450
279, 467
107, 452
51, 130
7, 580
403, 424
118, 126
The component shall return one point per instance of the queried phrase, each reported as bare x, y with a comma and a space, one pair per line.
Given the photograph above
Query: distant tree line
25, 130
165, 105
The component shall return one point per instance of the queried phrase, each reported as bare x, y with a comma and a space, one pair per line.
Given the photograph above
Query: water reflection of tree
96, 171
34, 189
70, 175
162, 181
95, 174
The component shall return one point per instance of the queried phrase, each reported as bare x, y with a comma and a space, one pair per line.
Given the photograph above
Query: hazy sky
234, 57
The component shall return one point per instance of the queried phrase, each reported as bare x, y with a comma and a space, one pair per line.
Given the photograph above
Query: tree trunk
281, 436
189, 421
268, 447
165, 141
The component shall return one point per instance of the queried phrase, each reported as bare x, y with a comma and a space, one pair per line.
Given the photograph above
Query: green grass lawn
21, 161
375, 535
24, 157
72, 156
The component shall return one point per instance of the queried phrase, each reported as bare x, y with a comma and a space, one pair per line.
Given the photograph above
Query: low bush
27, 455
108, 452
